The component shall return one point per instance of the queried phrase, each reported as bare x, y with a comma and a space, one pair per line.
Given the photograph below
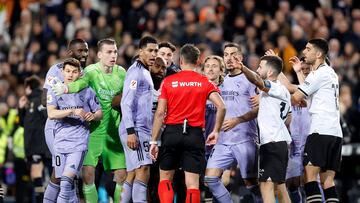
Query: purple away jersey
236, 92
299, 130
72, 132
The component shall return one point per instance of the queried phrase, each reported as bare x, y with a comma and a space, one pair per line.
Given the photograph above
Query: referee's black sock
331, 195
312, 192
39, 189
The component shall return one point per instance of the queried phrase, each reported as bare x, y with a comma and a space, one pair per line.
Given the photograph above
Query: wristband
153, 142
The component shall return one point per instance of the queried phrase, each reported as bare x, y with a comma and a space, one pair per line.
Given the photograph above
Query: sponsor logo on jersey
175, 84
190, 84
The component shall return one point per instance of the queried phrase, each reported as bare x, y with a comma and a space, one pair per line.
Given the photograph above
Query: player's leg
294, 172
247, 158
36, 174
126, 192
267, 191
328, 186
314, 155
72, 166
142, 171
165, 189
220, 159
282, 193
332, 165
52, 190
95, 147
114, 160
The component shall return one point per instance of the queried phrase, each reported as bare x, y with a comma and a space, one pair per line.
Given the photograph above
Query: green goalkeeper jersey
106, 87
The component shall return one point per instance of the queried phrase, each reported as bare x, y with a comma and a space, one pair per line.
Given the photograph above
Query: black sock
312, 192
39, 189
331, 195
1, 194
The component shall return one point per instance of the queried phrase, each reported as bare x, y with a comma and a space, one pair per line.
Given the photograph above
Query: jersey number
336, 95
282, 116
146, 146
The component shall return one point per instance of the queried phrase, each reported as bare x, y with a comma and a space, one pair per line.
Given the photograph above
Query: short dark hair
147, 40
168, 45
274, 62
190, 53
108, 41
72, 62
320, 44
33, 82
76, 41
232, 44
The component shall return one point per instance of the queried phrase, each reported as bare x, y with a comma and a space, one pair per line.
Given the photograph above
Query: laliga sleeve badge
133, 84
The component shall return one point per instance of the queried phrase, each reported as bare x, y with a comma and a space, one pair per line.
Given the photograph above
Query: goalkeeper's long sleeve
79, 84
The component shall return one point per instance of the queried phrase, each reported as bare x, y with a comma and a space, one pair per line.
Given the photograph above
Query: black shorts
36, 158
273, 162
182, 150
323, 151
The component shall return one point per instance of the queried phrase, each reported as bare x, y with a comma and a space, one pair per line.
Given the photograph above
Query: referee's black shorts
182, 150
323, 151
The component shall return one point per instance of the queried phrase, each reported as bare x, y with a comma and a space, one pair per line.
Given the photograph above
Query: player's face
108, 55
70, 73
212, 69
229, 54
80, 51
262, 70
147, 54
305, 68
167, 54
310, 54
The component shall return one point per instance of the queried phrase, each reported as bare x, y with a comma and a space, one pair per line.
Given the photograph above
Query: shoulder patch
133, 84
49, 98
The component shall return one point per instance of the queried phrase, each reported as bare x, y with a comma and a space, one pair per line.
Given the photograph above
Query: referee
322, 153
182, 99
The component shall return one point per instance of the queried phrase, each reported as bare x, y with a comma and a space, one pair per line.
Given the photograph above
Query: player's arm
291, 87
95, 113
254, 78
54, 113
159, 117
79, 84
127, 101
216, 99
288, 120
250, 115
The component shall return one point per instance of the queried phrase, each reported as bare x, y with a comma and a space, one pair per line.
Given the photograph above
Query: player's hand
229, 124
295, 63
132, 141
212, 138
79, 112
154, 150
255, 101
270, 52
22, 102
58, 87
89, 116
237, 62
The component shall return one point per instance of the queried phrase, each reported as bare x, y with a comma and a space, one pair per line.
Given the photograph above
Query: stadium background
34, 35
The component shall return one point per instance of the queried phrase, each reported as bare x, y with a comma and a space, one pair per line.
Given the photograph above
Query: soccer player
237, 141
182, 99
79, 50
322, 153
167, 50
136, 124
274, 108
299, 128
72, 113
106, 79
